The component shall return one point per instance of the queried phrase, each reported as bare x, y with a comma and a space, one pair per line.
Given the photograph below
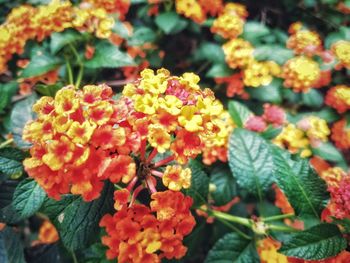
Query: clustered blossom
27, 22
310, 131
77, 144
300, 73
273, 115
47, 233
341, 51
229, 24
267, 249
198, 10
142, 234
338, 97
305, 42
176, 115
340, 198
341, 134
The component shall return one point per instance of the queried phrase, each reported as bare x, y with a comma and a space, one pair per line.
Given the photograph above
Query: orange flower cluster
173, 113
230, 22
338, 97
267, 249
77, 143
120, 7
341, 51
27, 22
141, 234
197, 10
341, 134
304, 42
300, 73
48, 233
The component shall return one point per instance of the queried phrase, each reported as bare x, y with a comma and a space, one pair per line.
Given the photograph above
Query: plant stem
235, 219
277, 217
5, 143
75, 260
80, 75
152, 155
164, 161
235, 229
69, 71
282, 228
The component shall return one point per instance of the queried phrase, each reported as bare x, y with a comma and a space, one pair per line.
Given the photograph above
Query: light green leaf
61, 39
239, 112
250, 161
41, 63
10, 162
219, 70
28, 197
167, 21
269, 93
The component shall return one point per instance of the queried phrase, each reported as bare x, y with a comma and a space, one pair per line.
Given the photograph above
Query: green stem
234, 219
80, 76
277, 217
5, 143
75, 260
282, 228
235, 229
69, 71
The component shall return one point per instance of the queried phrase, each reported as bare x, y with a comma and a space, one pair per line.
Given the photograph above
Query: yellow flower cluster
301, 73
177, 106
176, 178
341, 50
260, 73
238, 53
294, 140
305, 42
229, 24
310, 131
27, 22
333, 175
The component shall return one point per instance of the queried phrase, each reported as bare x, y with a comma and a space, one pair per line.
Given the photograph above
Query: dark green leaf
280, 54
199, 183
8, 213
141, 36
76, 220
319, 242
250, 161
239, 112
61, 39
210, 52
109, 56
10, 163
219, 70
48, 90
41, 63
28, 197
7, 90
11, 249
20, 115
43, 253
305, 190
226, 188
232, 248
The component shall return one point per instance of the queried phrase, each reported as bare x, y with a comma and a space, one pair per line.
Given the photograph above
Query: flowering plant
174, 131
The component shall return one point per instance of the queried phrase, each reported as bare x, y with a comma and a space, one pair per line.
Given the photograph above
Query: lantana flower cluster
27, 22
82, 138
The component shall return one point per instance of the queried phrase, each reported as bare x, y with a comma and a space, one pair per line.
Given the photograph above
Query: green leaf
232, 248
141, 36
199, 183
305, 190
280, 54
10, 162
7, 90
61, 39
41, 63
8, 214
271, 132
28, 197
329, 152
254, 30
319, 242
313, 98
20, 115
167, 21
269, 93
11, 249
108, 55
238, 112
250, 161
77, 221
210, 52
48, 90
219, 70
226, 188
